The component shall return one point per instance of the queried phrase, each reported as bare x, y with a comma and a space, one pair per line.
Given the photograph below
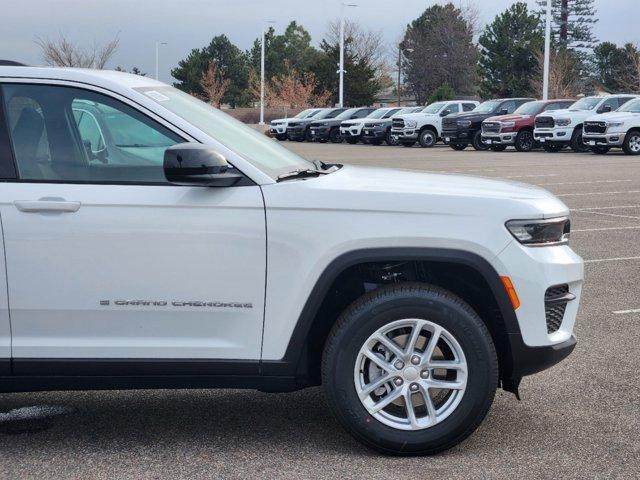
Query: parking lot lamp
341, 71
547, 47
158, 55
400, 52
262, 51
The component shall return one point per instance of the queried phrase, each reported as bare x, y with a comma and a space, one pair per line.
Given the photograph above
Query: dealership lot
579, 419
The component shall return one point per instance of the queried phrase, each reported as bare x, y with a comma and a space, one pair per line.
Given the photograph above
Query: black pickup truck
461, 129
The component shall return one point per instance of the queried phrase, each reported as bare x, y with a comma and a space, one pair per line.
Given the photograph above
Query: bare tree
563, 79
214, 85
471, 14
62, 52
295, 90
630, 76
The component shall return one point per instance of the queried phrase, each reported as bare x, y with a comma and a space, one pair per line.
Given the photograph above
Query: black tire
477, 142
351, 140
498, 148
577, 145
600, 150
379, 308
408, 144
281, 137
631, 142
525, 141
390, 140
458, 146
307, 135
552, 147
427, 138
334, 136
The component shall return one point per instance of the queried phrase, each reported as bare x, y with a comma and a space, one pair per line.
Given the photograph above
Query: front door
105, 260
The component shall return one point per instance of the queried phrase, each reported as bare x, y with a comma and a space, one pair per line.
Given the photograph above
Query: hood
359, 121
469, 115
507, 118
566, 112
406, 191
326, 121
417, 115
614, 116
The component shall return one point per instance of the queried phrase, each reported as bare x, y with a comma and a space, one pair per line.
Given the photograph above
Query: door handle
47, 205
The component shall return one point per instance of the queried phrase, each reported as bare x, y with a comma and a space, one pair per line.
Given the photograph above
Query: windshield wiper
300, 173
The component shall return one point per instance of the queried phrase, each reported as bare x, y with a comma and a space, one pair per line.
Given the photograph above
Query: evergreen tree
508, 48
573, 22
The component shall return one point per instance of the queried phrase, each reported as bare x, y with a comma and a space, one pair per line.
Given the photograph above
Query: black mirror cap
196, 164
445, 113
503, 111
605, 108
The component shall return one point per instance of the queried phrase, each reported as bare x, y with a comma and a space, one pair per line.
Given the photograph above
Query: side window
509, 106
612, 103
391, 113
361, 113
467, 107
623, 100
453, 108
66, 134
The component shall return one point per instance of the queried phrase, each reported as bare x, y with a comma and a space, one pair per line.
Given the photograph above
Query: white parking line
625, 312
615, 259
584, 183
617, 215
532, 176
604, 208
587, 194
604, 229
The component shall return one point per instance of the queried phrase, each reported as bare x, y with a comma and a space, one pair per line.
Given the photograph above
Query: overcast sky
187, 24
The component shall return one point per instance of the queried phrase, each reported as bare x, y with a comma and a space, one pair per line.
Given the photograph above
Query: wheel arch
303, 355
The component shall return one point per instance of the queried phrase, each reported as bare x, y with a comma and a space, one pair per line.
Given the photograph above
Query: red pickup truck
517, 128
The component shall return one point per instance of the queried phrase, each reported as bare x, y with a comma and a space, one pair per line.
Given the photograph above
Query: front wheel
525, 141
281, 137
600, 150
390, 139
577, 143
631, 144
334, 136
410, 369
477, 142
408, 144
458, 146
427, 138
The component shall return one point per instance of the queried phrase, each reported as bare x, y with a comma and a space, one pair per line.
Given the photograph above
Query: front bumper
353, 132
458, 136
508, 138
610, 139
553, 135
529, 360
278, 129
405, 133
320, 133
296, 133
374, 133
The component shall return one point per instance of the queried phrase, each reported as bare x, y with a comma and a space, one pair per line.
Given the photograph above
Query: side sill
5, 366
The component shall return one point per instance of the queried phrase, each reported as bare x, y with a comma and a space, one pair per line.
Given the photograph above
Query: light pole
400, 50
341, 71
262, 51
547, 53
158, 55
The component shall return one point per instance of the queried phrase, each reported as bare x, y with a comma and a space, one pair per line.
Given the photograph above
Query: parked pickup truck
279, 126
152, 241
300, 129
517, 129
619, 129
376, 131
461, 129
425, 127
351, 130
563, 128
328, 129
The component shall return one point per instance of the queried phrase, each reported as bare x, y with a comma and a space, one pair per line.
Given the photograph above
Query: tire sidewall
519, 140
427, 138
478, 144
482, 373
627, 141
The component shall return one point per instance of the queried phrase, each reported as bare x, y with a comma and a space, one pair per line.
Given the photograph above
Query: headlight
508, 124
554, 231
563, 122
615, 124
411, 123
464, 123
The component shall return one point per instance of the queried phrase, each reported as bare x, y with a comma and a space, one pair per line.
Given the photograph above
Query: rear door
6, 171
108, 265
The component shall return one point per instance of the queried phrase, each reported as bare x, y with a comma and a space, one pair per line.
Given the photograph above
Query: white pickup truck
619, 129
558, 129
425, 127
148, 240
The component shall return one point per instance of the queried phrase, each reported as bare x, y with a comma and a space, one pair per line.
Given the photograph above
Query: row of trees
440, 59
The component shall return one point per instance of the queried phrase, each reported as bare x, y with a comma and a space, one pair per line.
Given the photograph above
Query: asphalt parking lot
580, 419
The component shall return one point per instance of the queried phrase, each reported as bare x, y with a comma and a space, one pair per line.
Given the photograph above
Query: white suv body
151, 241
353, 128
619, 129
564, 127
425, 127
278, 127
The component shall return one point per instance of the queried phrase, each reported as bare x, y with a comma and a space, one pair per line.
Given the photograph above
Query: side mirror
195, 164
605, 109
445, 113
503, 111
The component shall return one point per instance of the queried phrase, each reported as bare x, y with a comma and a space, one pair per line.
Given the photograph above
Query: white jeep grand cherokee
151, 241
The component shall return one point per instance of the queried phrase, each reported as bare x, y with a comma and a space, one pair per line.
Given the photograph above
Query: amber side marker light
511, 292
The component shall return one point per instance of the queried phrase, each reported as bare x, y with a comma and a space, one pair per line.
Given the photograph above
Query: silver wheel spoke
390, 345
377, 360
431, 409
447, 384
373, 386
448, 365
411, 412
391, 396
431, 346
413, 338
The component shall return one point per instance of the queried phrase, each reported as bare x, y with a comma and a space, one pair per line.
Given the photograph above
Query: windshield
587, 103
529, 108
632, 107
404, 111
347, 113
263, 152
379, 113
303, 113
434, 107
330, 113
312, 113
487, 107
